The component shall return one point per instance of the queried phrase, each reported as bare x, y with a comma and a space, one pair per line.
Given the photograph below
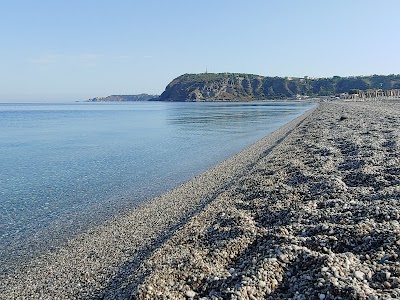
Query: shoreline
311, 211
143, 169
103, 256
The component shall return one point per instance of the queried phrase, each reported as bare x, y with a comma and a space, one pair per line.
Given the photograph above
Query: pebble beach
309, 212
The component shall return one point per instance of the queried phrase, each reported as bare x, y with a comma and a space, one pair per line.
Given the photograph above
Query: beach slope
316, 218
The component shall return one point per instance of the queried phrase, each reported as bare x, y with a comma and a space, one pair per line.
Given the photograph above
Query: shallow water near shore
65, 167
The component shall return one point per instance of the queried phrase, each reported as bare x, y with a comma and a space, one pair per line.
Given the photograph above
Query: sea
65, 167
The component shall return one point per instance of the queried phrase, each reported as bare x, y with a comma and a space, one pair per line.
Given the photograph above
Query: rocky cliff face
248, 87
212, 87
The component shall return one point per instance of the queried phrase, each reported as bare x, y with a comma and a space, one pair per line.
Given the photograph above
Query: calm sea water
64, 167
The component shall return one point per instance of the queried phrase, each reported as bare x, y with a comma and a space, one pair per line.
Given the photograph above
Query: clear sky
67, 50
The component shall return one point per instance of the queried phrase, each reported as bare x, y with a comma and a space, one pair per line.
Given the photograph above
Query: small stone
324, 269
384, 258
369, 275
274, 283
190, 294
334, 281
387, 275
262, 283
283, 257
359, 275
336, 274
322, 296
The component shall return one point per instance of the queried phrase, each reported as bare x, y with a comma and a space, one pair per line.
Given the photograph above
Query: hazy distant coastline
121, 98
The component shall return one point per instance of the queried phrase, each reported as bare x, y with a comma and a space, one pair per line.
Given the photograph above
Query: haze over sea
65, 167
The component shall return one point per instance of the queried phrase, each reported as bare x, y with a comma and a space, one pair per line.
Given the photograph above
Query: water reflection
67, 167
231, 117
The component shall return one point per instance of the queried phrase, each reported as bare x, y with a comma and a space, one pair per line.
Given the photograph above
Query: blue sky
77, 49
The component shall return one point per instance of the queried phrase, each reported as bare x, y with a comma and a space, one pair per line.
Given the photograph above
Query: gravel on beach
310, 212
317, 218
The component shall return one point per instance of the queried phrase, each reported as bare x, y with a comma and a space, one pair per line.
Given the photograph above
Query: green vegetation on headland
140, 97
248, 87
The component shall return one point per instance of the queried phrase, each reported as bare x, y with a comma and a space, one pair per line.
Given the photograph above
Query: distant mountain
120, 98
249, 87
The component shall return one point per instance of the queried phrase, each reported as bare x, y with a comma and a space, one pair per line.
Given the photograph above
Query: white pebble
335, 283
324, 269
322, 296
387, 275
190, 294
274, 283
283, 257
359, 275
